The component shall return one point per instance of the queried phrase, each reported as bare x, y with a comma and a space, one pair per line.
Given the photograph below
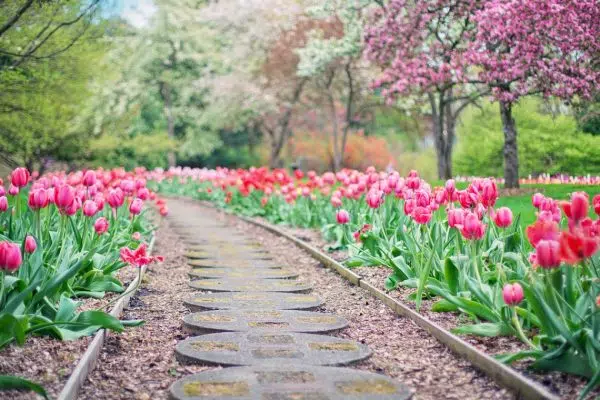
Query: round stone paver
253, 301
244, 272
286, 382
249, 348
217, 255
262, 321
251, 285
232, 263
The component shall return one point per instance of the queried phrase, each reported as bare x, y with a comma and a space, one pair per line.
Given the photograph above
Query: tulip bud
30, 244
503, 217
164, 211
342, 217
512, 294
19, 177
101, 225
136, 236
3, 203
10, 256
136, 206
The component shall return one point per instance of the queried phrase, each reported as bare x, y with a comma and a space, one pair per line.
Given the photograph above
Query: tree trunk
442, 138
511, 154
166, 94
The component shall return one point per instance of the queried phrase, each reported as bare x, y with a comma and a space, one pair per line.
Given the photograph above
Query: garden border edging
86, 364
505, 376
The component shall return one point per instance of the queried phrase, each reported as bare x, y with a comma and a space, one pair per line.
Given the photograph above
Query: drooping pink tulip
10, 256
101, 225
342, 217
90, 208
503, 217
512, 294
19, 177
30, 244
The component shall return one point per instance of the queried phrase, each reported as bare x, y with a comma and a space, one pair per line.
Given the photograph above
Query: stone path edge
90, 357
522, 387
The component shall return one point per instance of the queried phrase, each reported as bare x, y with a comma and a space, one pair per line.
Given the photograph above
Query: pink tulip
164, 211
2, 191
64, 196
10, 256
422, 215
101, 225
336, 201
374, 198
13, 190
136, 206
115, 198
472, 228
512, 294
143, 193
342, 217
537, 200
409, 206
89, 178
38, 199
30, 244
456, 217
128, 186
90, 208
450, 187
3, 203
136, 236
503, 217
489, 193
579, 206
19, 177
548, 254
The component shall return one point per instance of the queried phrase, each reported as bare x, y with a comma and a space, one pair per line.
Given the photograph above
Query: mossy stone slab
278, 348
253, 301
251, 285
288, 382
232, 263
262, 321
240, 273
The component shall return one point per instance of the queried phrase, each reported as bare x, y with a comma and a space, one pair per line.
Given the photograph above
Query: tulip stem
475, 263
1, 289
520, 334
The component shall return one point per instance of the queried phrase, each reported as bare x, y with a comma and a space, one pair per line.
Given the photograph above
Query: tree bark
511, 154
443, 126
166, 94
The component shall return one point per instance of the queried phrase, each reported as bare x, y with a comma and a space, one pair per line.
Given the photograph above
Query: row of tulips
454, 246
62, 239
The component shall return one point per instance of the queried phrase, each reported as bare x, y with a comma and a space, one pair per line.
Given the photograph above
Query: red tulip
101, 225
10, 256
342, 217
136, 206
512, 294
19, 177
164, 211
472, 228
548, 253
30, 244
89, 178
3, 203
596, 204
576, 246
503, 217
542, 230
90, 208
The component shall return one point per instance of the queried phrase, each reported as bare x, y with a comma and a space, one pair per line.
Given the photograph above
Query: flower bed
63, 238
452, 247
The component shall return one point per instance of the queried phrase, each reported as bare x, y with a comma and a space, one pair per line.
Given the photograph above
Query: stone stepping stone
253, 301
251, 285
222, 263
262, 321
288, 382
244, 272
249, 348
202, 255
222, 247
